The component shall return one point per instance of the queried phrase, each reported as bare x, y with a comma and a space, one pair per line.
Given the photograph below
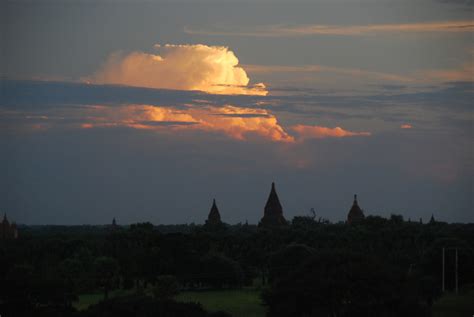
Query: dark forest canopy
377, 267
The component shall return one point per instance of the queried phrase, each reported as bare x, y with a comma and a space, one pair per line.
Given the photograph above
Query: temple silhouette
214, 218
7, 230
273, 212
356, 214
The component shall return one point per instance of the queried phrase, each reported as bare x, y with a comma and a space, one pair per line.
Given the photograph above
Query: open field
239, 303
85, 300
247, 303
452, 305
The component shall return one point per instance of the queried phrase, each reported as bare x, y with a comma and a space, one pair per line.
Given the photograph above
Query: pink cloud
348, 30
319, 132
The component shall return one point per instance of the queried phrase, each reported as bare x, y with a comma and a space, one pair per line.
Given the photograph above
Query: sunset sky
147, 110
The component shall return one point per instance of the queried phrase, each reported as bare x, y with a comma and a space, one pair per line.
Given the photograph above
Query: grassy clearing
452, 305
247, 303
239, 303
85, 300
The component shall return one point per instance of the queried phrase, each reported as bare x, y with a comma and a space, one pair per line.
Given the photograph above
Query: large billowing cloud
213, 69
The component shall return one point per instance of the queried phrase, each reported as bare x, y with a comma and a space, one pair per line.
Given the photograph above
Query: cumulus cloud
213, 69
318, 132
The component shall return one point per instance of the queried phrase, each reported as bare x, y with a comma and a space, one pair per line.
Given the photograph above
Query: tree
106, 270
219, 271
166, 287
287, 259
343, 283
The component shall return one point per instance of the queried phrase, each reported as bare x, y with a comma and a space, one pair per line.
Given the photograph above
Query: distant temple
114, 225
355, 214
273, 213
214, 217
7, 230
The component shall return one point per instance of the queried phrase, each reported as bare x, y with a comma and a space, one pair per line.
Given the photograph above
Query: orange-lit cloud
318, 132
350, 30
238, 122
235, 122
213, 69
406, 126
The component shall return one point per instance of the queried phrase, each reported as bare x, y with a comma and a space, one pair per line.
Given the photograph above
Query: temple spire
214, 217
355, 214
5, 219
273, 211
7, 230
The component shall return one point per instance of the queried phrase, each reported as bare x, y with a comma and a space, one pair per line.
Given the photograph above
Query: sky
148, 110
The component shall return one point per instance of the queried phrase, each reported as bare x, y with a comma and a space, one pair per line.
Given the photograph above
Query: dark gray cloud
26, 100
33, 95
91, 175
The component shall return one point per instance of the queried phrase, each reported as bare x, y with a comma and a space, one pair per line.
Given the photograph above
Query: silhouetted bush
284, 261
166, 286
217, 271
344, 283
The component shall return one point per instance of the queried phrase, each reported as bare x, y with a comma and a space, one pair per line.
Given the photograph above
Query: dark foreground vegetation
379, 267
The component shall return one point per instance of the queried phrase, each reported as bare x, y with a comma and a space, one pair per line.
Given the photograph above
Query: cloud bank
347, 30
235, 122
213, 69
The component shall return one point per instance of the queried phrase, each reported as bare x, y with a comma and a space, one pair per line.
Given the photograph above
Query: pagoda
355, 214
7, 230
214, 217
273, 212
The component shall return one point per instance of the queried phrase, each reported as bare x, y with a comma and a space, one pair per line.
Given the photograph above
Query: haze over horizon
146, 111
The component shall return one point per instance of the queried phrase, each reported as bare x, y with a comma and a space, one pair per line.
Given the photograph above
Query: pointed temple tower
273, 214
355, 214
7, 230
114, 225
214, 217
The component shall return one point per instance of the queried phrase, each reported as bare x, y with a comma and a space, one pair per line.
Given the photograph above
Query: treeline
379, 267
